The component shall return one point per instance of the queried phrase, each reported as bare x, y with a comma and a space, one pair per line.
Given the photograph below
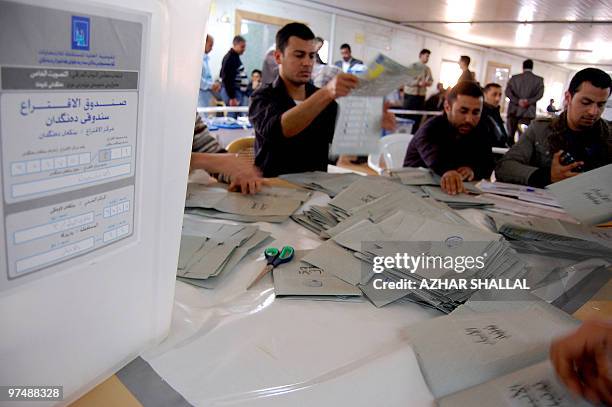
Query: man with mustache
538, 158
456, 145
294, 120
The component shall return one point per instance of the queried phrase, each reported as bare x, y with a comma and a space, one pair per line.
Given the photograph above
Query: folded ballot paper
272, 205
358, 126
328, 183
521, 192
209, 251
299, 280
459, 201
492, 358
588, 196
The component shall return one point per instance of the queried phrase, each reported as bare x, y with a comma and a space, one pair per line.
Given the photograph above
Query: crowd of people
292, 107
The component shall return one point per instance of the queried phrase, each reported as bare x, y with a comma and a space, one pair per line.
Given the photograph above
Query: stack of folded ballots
328, 183
554, 237
273, 205
459, 201
493, 353
299, 280
210, 250
419, 177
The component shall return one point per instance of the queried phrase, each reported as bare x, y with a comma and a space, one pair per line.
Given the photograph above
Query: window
449, 73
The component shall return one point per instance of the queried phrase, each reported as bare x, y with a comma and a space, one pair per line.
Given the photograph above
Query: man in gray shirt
523, 90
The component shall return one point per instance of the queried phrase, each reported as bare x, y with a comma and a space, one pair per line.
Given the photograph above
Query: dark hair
490, 85
345, 45
319, 39
594, 76
292, 30
255, 71
424, 51
238, 39
466, 59
467, 88
528, 64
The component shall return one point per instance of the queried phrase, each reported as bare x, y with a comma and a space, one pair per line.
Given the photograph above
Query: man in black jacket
456, 145
233, 75
492, 117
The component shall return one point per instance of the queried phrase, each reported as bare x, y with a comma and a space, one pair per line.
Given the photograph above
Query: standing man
464, 64
523, 90
207, 86
456, 145
536, 159
490, 113
294, 121
233, 75
416, 89
347, 61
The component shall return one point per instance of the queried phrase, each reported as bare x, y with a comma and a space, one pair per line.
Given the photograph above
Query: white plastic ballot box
97, 108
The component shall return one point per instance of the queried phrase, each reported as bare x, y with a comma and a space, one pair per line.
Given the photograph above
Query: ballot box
96, 120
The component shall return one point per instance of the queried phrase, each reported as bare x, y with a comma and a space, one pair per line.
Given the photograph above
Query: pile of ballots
377, 218
330, 184
271, 204
211, 250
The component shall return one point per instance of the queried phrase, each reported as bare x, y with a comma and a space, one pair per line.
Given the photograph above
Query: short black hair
467, 88
594, 76
292, 30
238, 39
465, 59
424, 51
255, 71
528, 64
491, 85
345, 45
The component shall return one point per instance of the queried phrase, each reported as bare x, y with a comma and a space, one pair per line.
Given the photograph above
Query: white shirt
346, 66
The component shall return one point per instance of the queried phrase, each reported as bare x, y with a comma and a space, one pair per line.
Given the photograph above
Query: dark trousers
512, 124
413, 102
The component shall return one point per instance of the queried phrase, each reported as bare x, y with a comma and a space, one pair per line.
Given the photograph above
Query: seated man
490, 114
294, 120
536, 160
208, 155
456, 145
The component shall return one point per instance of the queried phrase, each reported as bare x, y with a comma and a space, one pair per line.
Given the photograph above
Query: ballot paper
536, 385
414, 176
210, 249
588, 196
260, 207
339, 261
330, 184
300, 279
459, 351
358, 126
522, 192
363, 191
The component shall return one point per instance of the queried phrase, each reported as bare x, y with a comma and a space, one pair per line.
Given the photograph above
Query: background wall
369, 36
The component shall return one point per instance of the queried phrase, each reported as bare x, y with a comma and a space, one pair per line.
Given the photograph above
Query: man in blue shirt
208, 87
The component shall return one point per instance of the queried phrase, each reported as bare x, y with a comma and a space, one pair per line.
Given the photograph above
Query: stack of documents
587, 197
350, 255
299, 280
330, 184
459, 201
210, 250
522, 192
492, 358
272, 205
554, 237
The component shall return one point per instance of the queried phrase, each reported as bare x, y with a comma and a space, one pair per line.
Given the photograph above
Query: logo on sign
80, 33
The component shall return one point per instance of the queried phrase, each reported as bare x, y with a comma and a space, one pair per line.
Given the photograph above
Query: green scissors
274, 257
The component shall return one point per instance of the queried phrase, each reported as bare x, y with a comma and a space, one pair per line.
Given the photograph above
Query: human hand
244, 176
234, 102
341, 85
581, 361
523, 103
558, 171
216, 87
467, 173
452, 182
388, 120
